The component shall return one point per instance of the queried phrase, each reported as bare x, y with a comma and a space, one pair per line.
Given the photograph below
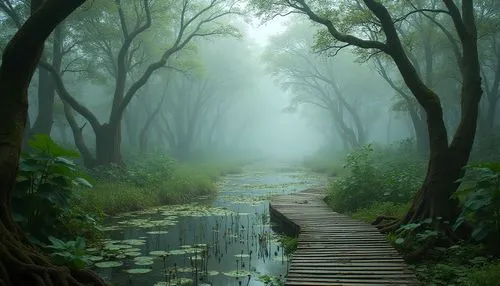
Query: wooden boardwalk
334, 249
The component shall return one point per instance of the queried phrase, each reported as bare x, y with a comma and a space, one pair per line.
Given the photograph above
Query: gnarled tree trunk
20, 262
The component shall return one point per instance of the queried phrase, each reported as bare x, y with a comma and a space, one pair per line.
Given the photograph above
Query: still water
221, 240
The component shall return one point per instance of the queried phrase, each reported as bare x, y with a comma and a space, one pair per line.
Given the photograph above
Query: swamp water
223, 240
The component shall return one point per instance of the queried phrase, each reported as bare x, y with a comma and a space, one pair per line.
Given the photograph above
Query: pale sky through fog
281, 134
259, 33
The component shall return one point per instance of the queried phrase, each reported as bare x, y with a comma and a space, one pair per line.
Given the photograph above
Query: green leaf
83, 182
399, 241
56, 243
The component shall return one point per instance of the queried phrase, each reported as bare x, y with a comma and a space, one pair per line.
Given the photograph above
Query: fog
154, 141
277, 86
248, 101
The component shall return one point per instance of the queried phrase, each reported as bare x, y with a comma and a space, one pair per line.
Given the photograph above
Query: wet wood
334, 249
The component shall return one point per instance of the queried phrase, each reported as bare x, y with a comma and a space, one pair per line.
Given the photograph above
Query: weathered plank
334, 249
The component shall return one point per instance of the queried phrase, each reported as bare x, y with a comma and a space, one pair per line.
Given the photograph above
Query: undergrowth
141, 186
380, 181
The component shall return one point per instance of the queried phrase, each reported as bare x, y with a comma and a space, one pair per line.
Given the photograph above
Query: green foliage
187, 182
146, 171
289, 244
68, 253
481, 205
382, 175
44, 187
112, 198
461, 265
270, 280
486, 276
389, 209
414, 235
151, 181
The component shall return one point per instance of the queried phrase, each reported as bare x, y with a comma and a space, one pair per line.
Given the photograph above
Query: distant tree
17, 12
351, 23
314, 79
188, 19
20, 262
489, 43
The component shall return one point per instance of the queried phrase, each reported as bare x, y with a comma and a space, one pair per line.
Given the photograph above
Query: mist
203, 142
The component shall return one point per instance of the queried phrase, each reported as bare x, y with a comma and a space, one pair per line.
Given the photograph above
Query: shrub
390, 209
481, 202
375, 176
44, 188
486, 276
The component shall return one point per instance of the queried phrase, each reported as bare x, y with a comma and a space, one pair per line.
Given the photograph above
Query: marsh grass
185, 182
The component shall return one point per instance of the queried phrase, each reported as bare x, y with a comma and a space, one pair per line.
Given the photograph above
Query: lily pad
183, 251
212, 273
144, 262
134, 241
157, 232
108, 264
176, 282
158, 253
144, 258
138, 270
132, 253
237, 273
95, 258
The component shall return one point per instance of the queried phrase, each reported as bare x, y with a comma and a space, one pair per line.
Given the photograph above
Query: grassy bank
138, 188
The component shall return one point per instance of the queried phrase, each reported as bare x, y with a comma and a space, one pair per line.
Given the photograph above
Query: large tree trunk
108, 144
20, 263
446, 161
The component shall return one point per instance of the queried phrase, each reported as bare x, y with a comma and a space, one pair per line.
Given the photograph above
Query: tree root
21, 264
381, 218
416, 254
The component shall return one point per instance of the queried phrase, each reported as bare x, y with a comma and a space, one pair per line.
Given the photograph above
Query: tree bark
446, 161
20, 263
108, 144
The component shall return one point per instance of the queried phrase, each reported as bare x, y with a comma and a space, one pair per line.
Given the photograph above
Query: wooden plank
334, 249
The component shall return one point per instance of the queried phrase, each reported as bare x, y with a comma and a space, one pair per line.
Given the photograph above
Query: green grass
391, 209
187, 181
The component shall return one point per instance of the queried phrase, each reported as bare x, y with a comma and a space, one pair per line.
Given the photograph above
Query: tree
46, 89
187, 102
314, 79
194, 19
20, 262
488, 23
446, 159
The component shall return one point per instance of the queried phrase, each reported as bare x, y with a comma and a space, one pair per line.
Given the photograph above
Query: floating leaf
138, 270
108, 264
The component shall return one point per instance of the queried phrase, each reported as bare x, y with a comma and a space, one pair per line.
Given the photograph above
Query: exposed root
21, 264
416, 254
381, 218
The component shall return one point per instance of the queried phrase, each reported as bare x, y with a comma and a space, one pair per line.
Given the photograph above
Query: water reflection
224, 240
